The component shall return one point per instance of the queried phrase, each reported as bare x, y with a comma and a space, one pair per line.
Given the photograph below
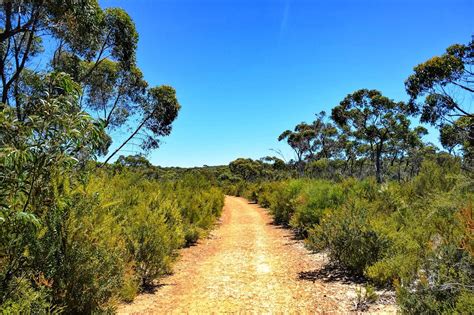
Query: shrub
93, 241
349, 237
28, 299
153, 233
83, 255
310, 204
199, 203
283, 207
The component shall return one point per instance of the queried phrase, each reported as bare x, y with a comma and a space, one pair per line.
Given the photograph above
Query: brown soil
249, 265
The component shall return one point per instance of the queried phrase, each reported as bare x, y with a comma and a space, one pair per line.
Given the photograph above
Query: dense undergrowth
415, 236
76, 236
103, 239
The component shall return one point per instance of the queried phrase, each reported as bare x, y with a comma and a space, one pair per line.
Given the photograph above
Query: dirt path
248, 265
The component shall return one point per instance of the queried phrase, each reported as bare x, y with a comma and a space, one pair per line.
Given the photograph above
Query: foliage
348, 236
75, 238
71, 243
440, 79
365, 296
40, 239
311, 204
369, 134
246, 168
414, 236
372, 119
97, 48
105, 239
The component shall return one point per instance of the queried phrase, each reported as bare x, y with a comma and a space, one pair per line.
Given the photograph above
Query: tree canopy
97, 48
442, 81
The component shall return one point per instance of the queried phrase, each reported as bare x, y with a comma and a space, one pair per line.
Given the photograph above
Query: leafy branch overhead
443, 81
96, 47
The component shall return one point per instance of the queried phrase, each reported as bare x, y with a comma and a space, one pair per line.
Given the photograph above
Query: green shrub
200, 204
153, 234
99, 240
416, 235
313, 200
26, 298
83, 254
159, 217
131, 284
283, 207
349, 237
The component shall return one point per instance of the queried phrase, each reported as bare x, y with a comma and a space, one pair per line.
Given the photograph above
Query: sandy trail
248, 265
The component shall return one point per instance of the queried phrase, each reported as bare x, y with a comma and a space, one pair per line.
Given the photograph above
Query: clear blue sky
245, 71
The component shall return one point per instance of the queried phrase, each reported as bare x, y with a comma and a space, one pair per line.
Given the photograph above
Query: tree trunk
378, 165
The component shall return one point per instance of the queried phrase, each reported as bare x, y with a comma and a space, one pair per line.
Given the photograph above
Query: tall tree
300, 141
372, 119
97, 49
324, 141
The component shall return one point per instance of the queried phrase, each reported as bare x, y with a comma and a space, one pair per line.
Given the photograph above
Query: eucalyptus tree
96, 48
324, 143
247, 169
352, 153
404, 145
80, 28
300, 140
457, 139
445, 85
372, 119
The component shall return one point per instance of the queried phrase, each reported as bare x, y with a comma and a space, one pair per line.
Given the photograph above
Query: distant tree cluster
369, 134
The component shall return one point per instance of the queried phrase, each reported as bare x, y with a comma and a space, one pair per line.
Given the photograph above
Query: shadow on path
331, 273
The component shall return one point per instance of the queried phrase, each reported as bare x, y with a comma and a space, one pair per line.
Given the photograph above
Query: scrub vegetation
78, 236
367, 190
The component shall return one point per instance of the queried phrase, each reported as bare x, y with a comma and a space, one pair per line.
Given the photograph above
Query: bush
153, 233
159, 217
314, 199
349, 238
284, 205
199, 203
415, 236
101, 239
28, 299
92, 258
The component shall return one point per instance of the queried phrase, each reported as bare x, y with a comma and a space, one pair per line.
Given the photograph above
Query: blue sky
245, 71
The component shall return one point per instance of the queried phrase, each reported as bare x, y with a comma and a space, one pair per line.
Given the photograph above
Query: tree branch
9, 32
98, 60
463, 87
128, 139
19, 69
109, 116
